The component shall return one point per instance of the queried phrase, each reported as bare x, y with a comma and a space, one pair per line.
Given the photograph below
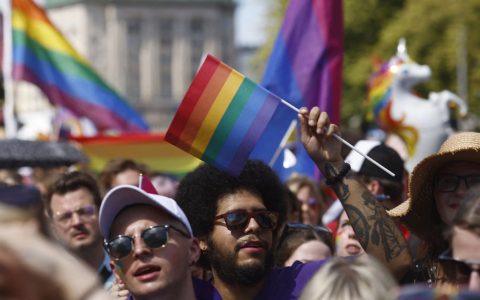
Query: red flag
146, 184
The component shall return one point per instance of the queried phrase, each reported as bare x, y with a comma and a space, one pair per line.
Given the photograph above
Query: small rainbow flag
42, 56
222, 116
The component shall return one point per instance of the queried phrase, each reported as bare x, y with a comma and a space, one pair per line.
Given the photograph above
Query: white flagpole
340, 139
283, 143
9, 106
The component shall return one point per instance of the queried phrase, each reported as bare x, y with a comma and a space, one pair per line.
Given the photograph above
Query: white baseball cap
126, 195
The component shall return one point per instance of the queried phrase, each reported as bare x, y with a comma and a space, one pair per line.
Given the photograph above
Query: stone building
148, 50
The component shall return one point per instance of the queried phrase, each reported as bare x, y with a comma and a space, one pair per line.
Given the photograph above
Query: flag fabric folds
304, 68
150, 149
42, 56
222, 116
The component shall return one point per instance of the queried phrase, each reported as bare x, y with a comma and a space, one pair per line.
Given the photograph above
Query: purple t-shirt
284, 283
287, 283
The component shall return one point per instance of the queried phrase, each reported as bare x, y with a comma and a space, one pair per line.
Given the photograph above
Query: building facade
148, 50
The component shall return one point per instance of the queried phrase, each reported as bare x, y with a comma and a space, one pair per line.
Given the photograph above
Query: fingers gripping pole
340, 139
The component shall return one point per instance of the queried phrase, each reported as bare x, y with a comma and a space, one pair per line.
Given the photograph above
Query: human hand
119, 290
317, 137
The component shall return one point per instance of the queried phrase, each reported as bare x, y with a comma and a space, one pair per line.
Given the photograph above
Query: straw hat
417, 211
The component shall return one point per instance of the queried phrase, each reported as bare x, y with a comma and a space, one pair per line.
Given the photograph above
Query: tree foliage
433, 30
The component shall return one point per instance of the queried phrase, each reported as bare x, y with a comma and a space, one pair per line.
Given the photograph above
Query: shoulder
205, 290
288, 282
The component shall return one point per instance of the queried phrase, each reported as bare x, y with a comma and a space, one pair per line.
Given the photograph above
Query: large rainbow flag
221, 116
148, 148
42, 56
305, 68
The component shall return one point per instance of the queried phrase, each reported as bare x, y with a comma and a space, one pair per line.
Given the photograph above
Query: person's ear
194, 251
203, 244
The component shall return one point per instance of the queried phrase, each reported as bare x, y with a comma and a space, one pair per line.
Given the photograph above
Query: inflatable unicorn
422, 124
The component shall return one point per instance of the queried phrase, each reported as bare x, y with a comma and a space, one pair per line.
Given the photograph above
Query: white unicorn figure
422, 124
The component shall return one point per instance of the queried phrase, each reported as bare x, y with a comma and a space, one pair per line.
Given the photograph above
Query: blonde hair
346, 278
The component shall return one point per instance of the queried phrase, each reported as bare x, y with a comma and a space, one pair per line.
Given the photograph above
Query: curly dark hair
71, 182
200, 190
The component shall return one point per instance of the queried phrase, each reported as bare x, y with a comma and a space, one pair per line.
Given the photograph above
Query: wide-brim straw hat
418, 212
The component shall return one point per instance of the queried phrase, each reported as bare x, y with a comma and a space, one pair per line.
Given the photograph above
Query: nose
474, 282
252, 225
76, 219
462, 187
350, 233
140, 248
305, 207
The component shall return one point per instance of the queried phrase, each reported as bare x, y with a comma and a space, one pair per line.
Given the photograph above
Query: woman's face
309, 251
465, 248
451, 188
346, 241
309, 206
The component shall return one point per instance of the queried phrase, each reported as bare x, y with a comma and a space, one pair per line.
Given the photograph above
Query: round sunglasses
154, 237
239, 219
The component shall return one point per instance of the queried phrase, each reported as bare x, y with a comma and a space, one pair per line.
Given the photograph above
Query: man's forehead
239, 200
75, 197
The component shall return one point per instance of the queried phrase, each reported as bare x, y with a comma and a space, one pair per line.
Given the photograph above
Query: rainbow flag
305, 68
221, 116
42, 56
148, 148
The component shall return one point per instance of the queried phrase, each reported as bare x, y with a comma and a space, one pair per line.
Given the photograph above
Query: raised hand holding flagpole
223, 114
340, 139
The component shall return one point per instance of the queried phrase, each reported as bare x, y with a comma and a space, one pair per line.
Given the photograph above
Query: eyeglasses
458, 269
449, 183
154, 237
239, 219
311, 202
86, 212
320, 232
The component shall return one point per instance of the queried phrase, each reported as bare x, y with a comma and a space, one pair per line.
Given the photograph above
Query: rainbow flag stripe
148, 148
42, 56
222, 116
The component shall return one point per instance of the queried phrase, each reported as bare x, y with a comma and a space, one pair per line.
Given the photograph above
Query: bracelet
340, 175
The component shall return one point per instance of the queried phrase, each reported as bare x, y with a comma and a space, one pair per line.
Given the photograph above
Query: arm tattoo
359, 223
341, 189
384, 229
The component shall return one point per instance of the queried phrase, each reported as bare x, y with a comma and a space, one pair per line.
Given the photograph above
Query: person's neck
236, 291
93, 255
182, 291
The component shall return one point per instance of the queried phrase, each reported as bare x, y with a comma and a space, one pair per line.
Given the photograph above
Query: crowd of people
359, 233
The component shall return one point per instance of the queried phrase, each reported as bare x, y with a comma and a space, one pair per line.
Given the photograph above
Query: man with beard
72, 203
236, 219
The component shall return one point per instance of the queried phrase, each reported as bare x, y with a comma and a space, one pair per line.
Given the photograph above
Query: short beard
229, 272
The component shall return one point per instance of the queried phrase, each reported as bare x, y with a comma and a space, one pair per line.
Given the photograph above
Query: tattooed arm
375, 230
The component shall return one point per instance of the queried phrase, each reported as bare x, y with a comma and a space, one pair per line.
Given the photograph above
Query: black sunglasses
449, 182
154, 237
459, 270
235, 220
317, 229
320, 232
